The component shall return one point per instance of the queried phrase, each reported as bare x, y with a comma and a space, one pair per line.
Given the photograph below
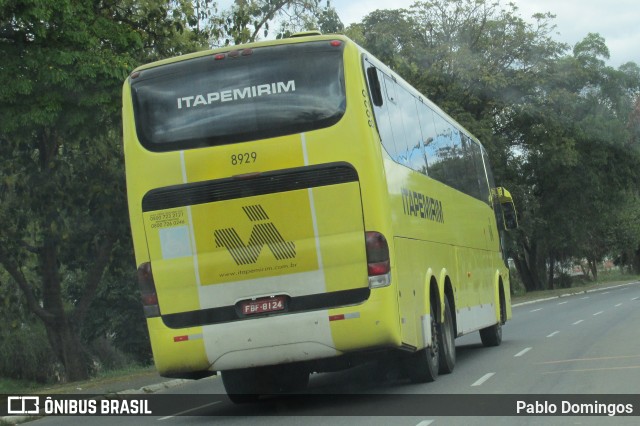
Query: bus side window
481, 176
381, 112
489, 177
428, 130
457, 164
394, 107
374, 86
415, 158
439, 151
471, 184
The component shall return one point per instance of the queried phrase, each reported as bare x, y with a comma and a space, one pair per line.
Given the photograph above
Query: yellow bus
297, 207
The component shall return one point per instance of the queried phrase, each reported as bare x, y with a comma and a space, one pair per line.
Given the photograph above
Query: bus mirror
509, 215
508, 209
502, 195
374, 86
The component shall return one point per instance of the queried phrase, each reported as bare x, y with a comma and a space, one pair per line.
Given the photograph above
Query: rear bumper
286, 338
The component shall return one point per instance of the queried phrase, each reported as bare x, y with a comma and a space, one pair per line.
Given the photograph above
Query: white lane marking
586, 297
553, 334
592, 369
425, 423
606, 292
561, 361
562, 303
598, 313
522, 352
483, 379
635, 298
190, 410
536, 310
577, 322
619, 304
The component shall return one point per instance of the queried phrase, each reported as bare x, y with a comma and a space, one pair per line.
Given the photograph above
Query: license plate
261, 306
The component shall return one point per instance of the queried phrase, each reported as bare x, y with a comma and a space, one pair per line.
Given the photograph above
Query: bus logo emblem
263, 233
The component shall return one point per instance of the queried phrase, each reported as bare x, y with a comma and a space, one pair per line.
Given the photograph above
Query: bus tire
247, 384
294, 379
446, 341
492, 336
422, 366
243, 385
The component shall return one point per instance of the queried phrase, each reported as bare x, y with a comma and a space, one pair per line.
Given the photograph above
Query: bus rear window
266, 92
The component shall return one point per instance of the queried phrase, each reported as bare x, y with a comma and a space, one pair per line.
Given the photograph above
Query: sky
618, 21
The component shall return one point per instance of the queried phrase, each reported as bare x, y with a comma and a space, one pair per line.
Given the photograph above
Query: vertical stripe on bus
194, 249
312, 206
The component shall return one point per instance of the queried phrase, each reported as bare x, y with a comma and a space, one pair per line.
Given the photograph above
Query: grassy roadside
102, 380
580, 287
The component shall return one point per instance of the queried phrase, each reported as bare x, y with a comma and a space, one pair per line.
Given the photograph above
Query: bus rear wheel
447, 341
492, 336
291, 379
422, 366
243, 385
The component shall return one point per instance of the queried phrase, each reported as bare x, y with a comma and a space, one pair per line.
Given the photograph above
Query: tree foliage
249, 20
62, 202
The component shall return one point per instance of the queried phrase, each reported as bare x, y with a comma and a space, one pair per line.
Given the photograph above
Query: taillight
148, 291
378, 264
238, 53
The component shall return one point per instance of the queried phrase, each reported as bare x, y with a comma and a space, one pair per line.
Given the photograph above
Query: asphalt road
581, 344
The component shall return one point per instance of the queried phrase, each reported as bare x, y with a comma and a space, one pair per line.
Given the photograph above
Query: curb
153, 388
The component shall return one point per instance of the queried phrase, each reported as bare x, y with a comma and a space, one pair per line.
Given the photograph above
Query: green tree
62, 201
579, 160
390, 36
328, 21
248, 20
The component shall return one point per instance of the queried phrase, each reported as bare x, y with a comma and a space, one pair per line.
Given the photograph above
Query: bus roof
296, 38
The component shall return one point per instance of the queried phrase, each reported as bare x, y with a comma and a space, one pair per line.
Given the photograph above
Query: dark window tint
272, 91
